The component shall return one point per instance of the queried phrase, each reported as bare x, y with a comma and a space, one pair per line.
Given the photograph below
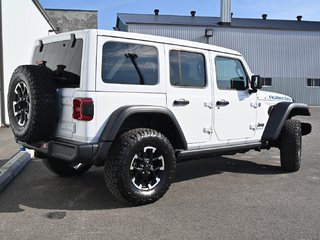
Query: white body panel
236, 121
204, 124
195, 118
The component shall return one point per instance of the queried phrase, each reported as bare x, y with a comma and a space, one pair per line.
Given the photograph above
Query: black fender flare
113, 125
279, 114
118, 117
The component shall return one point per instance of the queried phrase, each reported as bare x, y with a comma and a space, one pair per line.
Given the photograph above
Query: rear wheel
64, 169
140, 167
290, 146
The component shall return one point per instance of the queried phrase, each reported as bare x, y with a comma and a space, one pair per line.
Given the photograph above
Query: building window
266, 81
126, 63
313, 82
187, 69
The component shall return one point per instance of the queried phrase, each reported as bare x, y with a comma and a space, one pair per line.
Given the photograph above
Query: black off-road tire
32, 103
290, 146
128, 165
64, 169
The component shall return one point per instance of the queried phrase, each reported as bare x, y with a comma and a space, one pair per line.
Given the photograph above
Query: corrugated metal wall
288, 57
181, 32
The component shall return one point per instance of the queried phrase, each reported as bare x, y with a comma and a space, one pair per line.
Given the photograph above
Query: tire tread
113, 166
290, 148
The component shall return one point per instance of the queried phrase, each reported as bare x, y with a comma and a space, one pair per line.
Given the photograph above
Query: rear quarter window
128, 63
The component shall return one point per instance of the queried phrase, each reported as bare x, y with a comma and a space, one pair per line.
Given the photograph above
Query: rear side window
126, 63
187, 69
230, 74
63, 59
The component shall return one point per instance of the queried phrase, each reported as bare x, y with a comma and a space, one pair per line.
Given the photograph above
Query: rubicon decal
280, 98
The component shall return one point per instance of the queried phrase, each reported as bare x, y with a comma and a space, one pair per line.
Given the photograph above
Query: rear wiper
133, 58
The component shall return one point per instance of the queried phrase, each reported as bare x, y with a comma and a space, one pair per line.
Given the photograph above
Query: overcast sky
276, 9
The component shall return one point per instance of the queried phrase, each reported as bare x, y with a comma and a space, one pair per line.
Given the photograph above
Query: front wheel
140, 166
290, 146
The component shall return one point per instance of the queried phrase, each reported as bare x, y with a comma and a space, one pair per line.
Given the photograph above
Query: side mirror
256, 83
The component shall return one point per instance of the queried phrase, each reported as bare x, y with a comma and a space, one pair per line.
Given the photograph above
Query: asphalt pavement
245, 196
8, 146
13, 158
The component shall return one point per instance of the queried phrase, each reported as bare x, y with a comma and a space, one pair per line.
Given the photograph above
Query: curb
13, 167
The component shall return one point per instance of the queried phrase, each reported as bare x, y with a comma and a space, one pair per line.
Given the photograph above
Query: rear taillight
83, 109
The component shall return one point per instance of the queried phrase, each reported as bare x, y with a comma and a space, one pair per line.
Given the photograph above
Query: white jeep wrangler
137, 104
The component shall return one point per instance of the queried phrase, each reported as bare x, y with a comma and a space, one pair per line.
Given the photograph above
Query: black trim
73, 40
68, 151
118, 117
217, 151
279, 114
222, 103
40, 45
101, 153
306, 128
180, 102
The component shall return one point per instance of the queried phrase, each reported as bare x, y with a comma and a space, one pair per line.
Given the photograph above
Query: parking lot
245, 196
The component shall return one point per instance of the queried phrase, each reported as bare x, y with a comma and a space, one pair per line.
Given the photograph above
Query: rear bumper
70, 151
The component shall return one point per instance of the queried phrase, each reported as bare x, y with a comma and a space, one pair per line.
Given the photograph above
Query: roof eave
44, 14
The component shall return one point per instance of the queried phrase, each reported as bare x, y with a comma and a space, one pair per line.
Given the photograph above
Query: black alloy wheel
147, 168
140, 166
21, 103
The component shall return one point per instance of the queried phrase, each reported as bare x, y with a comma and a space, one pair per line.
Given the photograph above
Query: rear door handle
222, 103
180, 102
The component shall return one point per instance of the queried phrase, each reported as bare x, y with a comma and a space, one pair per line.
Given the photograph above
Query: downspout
3, 110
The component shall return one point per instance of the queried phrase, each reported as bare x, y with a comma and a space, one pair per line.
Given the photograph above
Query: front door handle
180, 102
222, 103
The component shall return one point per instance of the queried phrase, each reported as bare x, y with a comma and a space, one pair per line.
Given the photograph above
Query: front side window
187, 69
230, 74
127, 63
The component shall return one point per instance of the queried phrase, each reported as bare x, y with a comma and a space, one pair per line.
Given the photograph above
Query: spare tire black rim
21, 104
147, 168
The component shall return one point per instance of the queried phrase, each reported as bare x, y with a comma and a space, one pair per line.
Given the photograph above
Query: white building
21, 23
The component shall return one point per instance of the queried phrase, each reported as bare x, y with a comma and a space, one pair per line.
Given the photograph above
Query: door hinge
255, 105
208, 130
256, 126
208, 105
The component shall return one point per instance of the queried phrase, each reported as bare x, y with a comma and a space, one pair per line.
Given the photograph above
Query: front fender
278, 116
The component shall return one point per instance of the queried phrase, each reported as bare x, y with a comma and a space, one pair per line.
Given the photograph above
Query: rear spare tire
32, 103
